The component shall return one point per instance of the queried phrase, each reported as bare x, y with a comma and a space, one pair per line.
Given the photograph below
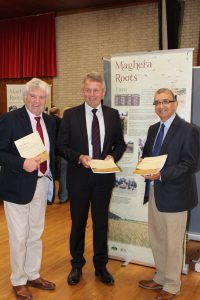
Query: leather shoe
150, 285
42, 284
104, 276
74, 276
22, 292
163, 295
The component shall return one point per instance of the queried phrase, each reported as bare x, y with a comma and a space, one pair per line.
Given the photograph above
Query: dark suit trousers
94, 190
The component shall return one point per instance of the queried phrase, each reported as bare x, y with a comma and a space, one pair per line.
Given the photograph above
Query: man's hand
84, 159
152, 176
31, 164
139, 161
109, 157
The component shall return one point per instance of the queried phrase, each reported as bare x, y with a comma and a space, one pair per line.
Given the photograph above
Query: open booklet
31, 146
150, 165
103, 166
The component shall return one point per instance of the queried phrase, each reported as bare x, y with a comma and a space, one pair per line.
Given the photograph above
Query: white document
151, 165
103, 166
31, 146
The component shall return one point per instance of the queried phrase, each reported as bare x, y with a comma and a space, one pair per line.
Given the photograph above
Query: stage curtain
170, 31
28, 47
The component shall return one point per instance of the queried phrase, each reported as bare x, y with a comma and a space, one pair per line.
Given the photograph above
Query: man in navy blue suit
24, 187
171, 193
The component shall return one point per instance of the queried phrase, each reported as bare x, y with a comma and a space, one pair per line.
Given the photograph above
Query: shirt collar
169, 121
31, 115
89, 108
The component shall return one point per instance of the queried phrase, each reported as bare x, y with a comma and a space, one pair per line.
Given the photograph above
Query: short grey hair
95, 76
36, 83
165, 90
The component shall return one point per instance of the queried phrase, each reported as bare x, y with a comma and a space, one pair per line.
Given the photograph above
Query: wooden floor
56, 265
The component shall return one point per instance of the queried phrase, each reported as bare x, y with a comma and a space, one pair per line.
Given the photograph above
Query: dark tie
155, 152
158, 142
96, 143
43, 165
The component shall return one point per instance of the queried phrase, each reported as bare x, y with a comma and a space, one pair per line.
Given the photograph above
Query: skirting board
193, 236
185, 268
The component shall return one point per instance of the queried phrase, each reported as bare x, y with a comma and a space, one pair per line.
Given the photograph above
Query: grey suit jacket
177, 189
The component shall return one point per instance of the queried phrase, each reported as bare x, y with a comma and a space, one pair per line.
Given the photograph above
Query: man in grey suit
24, 184
170, 192
90, 130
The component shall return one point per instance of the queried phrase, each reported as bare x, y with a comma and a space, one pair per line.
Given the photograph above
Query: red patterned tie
43, 166
96, 143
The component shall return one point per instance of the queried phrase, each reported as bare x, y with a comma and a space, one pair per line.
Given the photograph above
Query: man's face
93, 92
165, 111
35, 101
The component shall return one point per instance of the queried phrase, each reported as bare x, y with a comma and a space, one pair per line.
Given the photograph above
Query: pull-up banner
135, 77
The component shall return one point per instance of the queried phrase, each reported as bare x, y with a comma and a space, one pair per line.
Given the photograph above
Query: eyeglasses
164, 102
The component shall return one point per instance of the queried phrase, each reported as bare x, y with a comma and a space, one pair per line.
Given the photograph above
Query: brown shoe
150, 285
163, 295
42, 284
22, 292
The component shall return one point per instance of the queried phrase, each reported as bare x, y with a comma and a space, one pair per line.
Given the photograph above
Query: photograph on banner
135, 77
15, 97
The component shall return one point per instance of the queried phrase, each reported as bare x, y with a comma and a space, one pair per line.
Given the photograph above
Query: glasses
163, 102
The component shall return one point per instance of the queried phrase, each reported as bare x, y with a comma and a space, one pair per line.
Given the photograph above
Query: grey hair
36, 83
95, 76
165, 90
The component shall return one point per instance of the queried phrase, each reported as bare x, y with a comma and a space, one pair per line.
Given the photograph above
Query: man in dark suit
172, 192
79, 142
24, 186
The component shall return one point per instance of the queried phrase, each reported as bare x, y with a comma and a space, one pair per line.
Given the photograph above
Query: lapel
25, 120
169, 136
107, 123
82, 124
153, 135
49, 129
46, 123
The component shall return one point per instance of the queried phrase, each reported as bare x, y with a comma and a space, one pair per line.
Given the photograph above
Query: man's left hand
109, 157
152, 176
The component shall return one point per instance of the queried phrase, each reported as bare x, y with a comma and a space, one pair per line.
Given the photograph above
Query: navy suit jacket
177, 189
73, 141
17, 185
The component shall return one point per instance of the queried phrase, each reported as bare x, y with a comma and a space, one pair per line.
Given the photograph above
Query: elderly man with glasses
171, 192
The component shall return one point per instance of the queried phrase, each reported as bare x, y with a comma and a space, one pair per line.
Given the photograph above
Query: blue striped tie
155, 152
158, 142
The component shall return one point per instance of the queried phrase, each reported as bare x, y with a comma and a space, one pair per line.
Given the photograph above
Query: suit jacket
17, 185
176, 191
73, 141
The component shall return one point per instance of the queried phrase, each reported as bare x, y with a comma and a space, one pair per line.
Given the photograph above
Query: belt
47, 176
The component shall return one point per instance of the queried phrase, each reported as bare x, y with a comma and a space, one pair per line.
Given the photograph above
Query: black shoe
63, 201
104, 276
74, 276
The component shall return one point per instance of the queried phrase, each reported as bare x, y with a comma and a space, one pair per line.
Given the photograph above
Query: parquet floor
56, 265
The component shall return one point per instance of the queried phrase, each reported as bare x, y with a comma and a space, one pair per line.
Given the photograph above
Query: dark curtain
174, 12
160, 7
28, 47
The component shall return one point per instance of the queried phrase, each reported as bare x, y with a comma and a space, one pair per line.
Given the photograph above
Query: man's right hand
31, 164
84, 159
